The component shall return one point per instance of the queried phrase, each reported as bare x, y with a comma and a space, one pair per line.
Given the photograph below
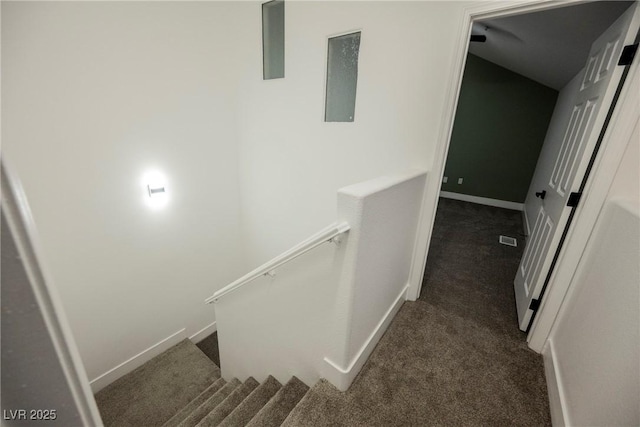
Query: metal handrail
324, 236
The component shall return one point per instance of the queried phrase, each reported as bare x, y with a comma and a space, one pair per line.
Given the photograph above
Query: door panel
533, 259
525, 265
539, 249
589, 108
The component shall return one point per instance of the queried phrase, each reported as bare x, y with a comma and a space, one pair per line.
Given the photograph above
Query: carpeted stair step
210, 404
252, 404
191, 406
221, 411
315, 403
153, 393
277, 409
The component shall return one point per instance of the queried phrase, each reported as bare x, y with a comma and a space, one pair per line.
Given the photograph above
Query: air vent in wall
509, 241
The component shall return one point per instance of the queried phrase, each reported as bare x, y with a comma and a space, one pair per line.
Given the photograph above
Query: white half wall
383, 215
280, 325
94, 95
322, 314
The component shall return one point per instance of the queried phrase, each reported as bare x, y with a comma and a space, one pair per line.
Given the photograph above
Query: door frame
618, 134
17, 212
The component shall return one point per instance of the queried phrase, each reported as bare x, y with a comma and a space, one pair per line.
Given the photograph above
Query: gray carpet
468, 272
153, 393
195, 403
279, 407
252, 404
456, 356
210, 404
217, 415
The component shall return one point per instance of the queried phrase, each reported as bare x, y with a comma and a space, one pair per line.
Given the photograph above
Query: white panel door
568, 165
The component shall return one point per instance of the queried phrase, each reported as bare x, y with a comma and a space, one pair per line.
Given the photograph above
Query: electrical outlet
459, 180
444, 180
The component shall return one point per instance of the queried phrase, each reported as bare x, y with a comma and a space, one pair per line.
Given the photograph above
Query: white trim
557, 398
483, 201
136, 361
341, 377
203, 333
343, 33
17, 212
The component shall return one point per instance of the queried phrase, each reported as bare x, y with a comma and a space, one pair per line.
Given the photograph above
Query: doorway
569, 134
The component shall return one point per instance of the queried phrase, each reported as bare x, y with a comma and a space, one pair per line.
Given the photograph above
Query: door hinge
628, 53
535, 303
574, 199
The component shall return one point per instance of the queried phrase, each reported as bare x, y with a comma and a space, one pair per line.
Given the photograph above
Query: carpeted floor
456, 356
155, 391
468, 272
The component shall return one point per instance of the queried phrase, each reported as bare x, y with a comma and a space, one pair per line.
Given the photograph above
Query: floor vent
509, 241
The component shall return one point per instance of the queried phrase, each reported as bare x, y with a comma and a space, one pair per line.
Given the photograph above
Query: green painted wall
500, 125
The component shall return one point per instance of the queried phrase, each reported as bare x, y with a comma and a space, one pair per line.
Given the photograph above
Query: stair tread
250, 406
199, 400
217, 415
277, 409
210, 404
152, 393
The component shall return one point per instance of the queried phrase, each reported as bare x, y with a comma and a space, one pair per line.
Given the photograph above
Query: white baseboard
342, 378
483, 201
203, 333
139, 359
557, 402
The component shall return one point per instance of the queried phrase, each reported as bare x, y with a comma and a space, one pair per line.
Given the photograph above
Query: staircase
182, 387
234, 404
431, 367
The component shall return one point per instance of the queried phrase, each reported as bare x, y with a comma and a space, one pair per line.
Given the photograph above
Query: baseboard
483, 201
139, 359
557, 402
203, 333
342, 378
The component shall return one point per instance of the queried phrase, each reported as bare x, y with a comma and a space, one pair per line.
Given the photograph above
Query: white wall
594, 346
550, 148
291, 161
280, 326
383, 214
94, 95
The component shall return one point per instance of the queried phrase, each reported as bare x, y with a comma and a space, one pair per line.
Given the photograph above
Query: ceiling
549, 47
